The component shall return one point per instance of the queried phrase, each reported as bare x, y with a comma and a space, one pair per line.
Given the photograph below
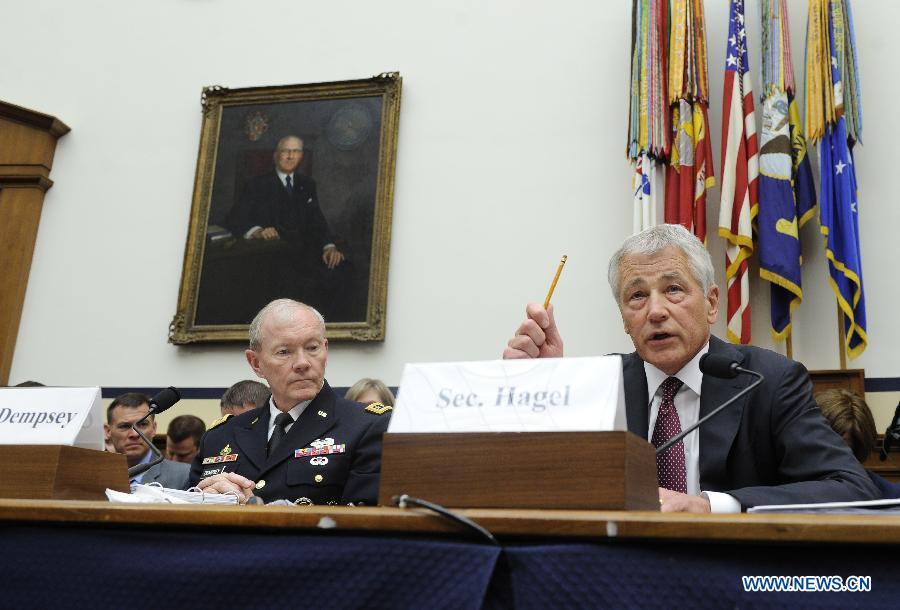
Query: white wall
511, 145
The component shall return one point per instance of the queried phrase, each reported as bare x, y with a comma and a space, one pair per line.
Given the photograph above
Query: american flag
740, 170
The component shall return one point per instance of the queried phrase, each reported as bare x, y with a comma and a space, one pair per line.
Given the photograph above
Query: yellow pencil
555, 279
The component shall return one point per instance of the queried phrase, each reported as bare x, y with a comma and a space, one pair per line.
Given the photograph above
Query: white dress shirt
274, 412
687, 404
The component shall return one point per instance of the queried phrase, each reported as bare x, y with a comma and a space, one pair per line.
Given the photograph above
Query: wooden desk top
503, 523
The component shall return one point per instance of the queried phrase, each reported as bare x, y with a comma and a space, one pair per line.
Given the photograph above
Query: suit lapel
318, 417
636, 400
152, 474
251, 437
718, 434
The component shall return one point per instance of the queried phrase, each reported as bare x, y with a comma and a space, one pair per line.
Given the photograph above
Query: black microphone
164, 399
891, 435
716, 365
159, 403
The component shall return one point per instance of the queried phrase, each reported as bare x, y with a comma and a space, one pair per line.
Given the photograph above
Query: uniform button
319, 478
260, 484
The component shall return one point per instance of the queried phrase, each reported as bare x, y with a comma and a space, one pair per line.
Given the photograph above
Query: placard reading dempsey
574, 394
51, 416
36, 418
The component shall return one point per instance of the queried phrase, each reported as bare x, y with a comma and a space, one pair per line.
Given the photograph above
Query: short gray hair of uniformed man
284, 308
656, 239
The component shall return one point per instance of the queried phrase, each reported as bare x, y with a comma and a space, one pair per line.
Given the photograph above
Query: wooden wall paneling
27, 145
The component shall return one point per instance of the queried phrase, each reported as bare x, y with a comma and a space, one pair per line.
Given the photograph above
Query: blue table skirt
130, 567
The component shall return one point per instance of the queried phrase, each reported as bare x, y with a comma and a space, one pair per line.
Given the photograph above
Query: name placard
542, 395
51, 416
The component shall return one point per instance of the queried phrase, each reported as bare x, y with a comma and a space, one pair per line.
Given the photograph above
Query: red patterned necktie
670, 468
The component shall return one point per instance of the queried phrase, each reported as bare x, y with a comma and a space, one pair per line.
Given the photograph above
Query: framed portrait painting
292, 198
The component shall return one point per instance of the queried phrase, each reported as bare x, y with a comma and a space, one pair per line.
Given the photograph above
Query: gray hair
656, 239
288, 137
285, 308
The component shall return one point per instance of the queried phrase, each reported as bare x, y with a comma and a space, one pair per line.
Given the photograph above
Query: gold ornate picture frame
293, 197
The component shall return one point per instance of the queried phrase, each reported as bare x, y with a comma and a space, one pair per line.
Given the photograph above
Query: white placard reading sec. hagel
542, 395
51, 416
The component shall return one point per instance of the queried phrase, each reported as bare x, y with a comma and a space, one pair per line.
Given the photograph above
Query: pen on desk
555, 279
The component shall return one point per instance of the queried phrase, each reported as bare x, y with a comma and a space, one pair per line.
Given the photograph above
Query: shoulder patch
378, 409
220, 421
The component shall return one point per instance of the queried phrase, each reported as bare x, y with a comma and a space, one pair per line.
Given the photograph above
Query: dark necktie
670, 466
288, 184
282, 421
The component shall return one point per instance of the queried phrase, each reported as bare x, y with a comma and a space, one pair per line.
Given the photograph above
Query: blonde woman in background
368, 390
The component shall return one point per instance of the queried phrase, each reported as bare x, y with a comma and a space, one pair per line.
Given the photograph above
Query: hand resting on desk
228, 482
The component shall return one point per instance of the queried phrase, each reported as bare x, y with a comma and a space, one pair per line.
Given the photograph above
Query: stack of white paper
869, 507
156, 494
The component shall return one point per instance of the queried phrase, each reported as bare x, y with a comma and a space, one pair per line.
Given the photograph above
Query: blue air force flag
839, 220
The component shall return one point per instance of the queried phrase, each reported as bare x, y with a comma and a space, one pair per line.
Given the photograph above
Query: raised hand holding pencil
537, 336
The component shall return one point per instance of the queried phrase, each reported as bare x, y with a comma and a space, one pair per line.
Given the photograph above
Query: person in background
850, 416
368, 390
183, 438
121, 414
243, 396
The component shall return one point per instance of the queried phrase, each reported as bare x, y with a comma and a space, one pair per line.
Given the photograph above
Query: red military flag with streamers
690, 170
740, 171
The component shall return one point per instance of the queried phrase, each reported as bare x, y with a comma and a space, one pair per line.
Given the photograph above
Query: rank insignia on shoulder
378, 409
220, 421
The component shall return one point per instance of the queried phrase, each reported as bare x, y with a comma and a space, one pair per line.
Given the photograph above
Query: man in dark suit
305, 444
773, 447
121, 414
283, 205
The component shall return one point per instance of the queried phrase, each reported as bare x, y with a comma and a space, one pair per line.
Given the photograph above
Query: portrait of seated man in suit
773, 446
282, 206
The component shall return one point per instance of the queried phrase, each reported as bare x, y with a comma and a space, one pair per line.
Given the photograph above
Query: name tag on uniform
326, 450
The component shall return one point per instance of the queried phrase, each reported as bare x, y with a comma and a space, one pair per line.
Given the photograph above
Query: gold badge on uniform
226, 449
378, 409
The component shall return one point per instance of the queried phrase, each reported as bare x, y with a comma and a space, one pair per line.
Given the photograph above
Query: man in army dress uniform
305, 444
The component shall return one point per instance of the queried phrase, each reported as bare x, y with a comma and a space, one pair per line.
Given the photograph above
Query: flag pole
789, 347
841, 350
